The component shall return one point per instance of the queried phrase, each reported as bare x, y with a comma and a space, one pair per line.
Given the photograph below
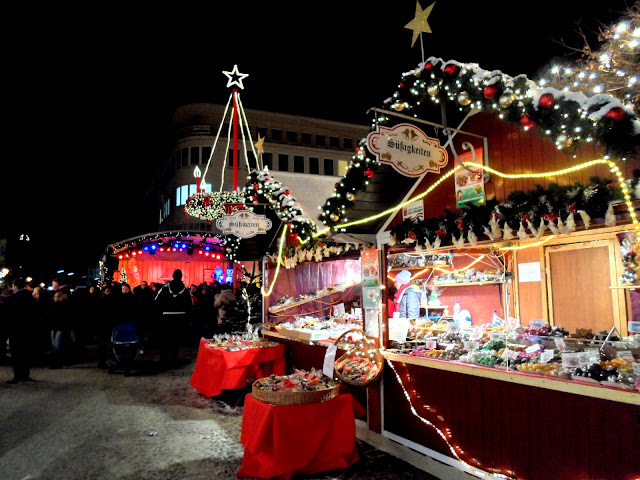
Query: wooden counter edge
601, 392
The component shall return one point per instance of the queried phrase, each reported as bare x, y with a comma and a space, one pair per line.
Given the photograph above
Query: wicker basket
293, 398
365, 348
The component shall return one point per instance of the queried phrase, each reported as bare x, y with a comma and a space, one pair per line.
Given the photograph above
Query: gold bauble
398, 106
564, 141
433, 89
350, 196
506, 99
464, 99
334, 217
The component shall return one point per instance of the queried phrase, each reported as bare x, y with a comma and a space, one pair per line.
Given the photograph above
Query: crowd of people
52, 325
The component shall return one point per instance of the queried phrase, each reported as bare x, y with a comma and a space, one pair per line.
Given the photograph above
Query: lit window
342, 167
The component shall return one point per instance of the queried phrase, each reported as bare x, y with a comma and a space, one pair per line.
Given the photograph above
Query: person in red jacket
407, 298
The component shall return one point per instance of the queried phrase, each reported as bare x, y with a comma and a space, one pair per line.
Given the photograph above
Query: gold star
260, 145
419, 24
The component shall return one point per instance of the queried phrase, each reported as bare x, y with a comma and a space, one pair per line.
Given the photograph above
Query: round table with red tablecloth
286, 440
218, 369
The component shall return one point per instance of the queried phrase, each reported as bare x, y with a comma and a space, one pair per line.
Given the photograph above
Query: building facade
309, 154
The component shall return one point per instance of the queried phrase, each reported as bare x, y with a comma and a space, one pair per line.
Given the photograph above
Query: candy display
585, 359
234, 343
357, 370
300, 387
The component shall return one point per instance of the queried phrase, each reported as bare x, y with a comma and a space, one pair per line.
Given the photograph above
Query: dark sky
92, 90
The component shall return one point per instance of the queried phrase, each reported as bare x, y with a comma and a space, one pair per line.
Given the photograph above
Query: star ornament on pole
420, 24
235, 77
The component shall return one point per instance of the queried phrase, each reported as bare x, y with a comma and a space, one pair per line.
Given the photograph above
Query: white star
235, 77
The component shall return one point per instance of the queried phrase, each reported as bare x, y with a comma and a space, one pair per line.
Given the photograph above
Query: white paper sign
471, 345
589, 357
546, 356
633, 327
476, 333
329, 360
338, 310
636, 368
506, 353
398, 329
570, 360
560, 345
532, 348
453, 327
529, 272
430, 345
537, 324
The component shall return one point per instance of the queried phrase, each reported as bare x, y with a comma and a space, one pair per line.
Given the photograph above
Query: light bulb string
275, 276
215, 142
314, 301
613, 167
451, 447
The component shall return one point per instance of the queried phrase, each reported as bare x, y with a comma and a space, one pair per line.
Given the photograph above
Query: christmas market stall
507, 301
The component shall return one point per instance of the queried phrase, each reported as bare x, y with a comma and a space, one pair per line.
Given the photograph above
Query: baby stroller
125, 344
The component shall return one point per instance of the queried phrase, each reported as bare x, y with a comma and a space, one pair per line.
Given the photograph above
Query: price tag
430, 345
506, 353
626, 354
636, 368
532, 348
588, 357
329, 360
476, 333
570, 360
494, 335
398, 328
453, 327
560, 345
471, 345
547, 355
338, 310
450, 347
536, 324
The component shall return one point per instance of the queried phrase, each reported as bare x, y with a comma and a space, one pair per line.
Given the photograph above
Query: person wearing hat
407, 298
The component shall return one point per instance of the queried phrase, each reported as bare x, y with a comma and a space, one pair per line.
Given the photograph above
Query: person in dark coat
22, 316
107, 318
174, 301
60, 320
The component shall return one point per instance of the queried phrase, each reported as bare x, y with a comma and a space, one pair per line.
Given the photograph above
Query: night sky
91, 91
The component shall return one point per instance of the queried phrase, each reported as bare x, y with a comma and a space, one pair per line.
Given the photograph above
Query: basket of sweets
362, 363
299, 387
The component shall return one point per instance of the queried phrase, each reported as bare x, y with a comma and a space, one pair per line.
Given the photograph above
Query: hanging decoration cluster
312, 251
568, 118
262, 188
360, 170
556, 209
209, 206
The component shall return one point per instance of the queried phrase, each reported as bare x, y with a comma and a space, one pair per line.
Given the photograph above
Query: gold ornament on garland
350, 196
464, 99
433, 89
506, 99
334, 217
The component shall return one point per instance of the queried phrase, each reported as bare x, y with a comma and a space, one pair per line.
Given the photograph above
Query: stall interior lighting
278, 262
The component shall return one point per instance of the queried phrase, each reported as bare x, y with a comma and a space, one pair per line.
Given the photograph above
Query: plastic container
456, 307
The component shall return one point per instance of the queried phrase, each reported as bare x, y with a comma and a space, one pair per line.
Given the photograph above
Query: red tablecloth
286, 440
217, 369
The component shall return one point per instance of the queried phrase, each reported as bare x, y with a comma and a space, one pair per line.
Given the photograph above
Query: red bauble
411, 235
490, 91
255, 198
256, 186
428, 66
460, 223
616, 113
369, 173
526, 122
546, 100
401, 85
451, 69
287, 192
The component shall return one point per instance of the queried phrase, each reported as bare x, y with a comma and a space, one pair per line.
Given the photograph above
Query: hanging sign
470, 185
243, 224
413, 211
407, 149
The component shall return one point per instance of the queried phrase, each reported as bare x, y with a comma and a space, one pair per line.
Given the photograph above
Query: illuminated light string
454, 449
275, 276
522, 247
613, 167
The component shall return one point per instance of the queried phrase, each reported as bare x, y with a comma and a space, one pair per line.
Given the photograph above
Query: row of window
300, 164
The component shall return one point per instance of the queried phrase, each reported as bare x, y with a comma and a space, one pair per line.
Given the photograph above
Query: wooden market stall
544, 246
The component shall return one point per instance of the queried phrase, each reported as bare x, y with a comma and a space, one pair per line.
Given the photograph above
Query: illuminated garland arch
569, 119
